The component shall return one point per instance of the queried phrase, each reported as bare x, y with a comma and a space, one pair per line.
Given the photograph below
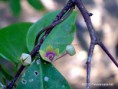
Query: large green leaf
60, 37
42, 75
13, 41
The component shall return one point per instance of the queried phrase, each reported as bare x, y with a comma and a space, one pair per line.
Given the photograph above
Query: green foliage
4, 0
36, 4
13, 41
42, 75
15, 6
19, 38
5, 72
60, 37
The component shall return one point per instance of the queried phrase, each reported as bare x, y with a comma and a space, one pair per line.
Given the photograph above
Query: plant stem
107, 52
94, 39
90, 53
59, 18
11, 84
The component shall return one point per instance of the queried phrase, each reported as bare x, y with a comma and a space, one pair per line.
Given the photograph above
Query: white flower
25, 59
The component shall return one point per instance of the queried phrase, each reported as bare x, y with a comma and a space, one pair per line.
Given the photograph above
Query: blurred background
104, 74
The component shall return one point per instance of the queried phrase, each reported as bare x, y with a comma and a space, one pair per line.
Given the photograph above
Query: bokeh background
104, 74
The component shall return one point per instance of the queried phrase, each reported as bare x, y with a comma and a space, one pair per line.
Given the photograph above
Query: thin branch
57, 20
94, 39
107, 52
11, 84
86, 15
90, 53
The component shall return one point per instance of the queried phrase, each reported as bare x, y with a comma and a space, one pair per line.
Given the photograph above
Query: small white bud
70, 50
25, 59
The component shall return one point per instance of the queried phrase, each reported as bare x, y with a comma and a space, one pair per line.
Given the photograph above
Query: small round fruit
70, 50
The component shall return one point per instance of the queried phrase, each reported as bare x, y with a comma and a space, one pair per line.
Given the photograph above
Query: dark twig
90, 53
11, 84
94, 39
86, 16
57, 21
107, 52
92, 33
60, 17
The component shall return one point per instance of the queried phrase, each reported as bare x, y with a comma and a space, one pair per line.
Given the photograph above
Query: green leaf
13, 41
42, 75
36, 4
4, 0
60, 37
5, 72
15, 7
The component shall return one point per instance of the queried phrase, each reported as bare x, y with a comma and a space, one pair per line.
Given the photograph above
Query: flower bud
70, 50
25, 59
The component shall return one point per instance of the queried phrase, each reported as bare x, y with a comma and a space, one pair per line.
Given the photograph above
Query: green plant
16, 8
43, 44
